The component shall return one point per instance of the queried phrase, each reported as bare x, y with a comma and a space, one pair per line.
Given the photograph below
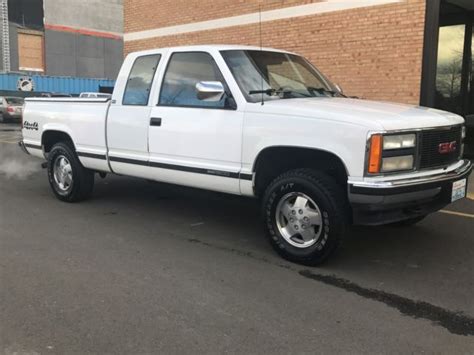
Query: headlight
391, 153
397, 163
399, 142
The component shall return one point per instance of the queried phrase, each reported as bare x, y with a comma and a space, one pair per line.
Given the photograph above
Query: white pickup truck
262, 123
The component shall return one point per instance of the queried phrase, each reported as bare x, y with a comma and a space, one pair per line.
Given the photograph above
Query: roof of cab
207, 47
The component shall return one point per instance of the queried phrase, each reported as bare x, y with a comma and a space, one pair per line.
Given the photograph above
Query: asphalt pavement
153, 268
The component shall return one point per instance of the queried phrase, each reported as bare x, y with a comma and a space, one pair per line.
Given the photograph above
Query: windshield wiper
268, 92
325, 91
272, 91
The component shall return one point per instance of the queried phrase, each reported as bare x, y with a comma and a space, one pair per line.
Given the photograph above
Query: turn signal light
375, 156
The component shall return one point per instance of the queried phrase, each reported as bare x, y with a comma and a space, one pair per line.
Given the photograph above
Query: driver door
195, 142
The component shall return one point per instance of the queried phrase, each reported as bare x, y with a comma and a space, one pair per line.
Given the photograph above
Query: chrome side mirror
212, 91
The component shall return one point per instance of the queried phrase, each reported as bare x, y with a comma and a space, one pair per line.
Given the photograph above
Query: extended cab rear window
137, 90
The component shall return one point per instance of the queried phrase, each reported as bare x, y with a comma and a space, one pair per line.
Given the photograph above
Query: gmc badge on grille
446, 148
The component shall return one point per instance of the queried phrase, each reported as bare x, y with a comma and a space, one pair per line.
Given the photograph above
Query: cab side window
184, 71
137, 90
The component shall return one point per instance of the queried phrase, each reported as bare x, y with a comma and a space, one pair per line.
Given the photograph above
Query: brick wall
154, 14
373, 52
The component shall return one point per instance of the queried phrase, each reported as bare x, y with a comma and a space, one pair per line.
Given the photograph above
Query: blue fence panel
8, 81
56, 84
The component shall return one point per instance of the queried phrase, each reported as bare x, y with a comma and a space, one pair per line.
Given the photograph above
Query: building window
30, 51
140, 80
26, 13
449, 71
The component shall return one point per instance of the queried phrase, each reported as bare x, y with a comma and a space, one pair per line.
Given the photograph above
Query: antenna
261, 45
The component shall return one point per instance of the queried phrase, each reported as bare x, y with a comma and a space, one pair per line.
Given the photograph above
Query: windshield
14, 100
276, 75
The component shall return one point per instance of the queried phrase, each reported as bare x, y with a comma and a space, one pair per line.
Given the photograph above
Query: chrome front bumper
386, 201
388, 187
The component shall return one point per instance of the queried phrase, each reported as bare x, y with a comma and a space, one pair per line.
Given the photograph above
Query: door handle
155, 121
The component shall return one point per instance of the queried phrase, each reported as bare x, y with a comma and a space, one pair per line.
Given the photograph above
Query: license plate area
458, 190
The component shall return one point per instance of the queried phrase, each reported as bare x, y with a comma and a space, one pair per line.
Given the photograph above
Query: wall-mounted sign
25, 83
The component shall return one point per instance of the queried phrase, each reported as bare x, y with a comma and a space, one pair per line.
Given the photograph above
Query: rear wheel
306, 215
70, 181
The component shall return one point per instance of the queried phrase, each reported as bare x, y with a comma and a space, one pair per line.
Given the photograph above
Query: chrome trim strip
68, 99
465, 167
414, 130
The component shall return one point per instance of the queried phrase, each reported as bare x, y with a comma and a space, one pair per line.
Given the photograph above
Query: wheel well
274, 161
50, 138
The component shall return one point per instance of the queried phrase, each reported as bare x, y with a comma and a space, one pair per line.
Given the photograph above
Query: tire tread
83, 178
333, 194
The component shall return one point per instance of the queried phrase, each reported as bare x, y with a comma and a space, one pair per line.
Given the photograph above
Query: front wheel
305, 214
70, 181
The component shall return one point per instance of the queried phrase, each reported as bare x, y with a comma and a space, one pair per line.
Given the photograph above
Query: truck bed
83, 119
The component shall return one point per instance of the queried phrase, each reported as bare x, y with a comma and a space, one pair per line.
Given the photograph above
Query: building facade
83, 38
408, 51
65, 37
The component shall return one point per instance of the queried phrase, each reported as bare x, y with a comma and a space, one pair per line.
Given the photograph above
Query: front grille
430, 140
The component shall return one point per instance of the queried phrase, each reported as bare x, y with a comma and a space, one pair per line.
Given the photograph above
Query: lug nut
300, 211
296, 227
293, 212
306, 219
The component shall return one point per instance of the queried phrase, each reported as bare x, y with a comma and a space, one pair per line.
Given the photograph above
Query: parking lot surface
145, 268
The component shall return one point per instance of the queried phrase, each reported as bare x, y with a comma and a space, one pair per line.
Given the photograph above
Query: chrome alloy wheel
62, 172
299, 220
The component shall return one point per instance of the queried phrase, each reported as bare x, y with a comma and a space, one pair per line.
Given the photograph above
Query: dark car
11, 109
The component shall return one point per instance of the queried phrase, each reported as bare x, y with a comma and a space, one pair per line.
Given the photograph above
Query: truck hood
372, 114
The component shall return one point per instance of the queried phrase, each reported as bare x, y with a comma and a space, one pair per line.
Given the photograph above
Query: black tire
408, 222
333, 206
82, 179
